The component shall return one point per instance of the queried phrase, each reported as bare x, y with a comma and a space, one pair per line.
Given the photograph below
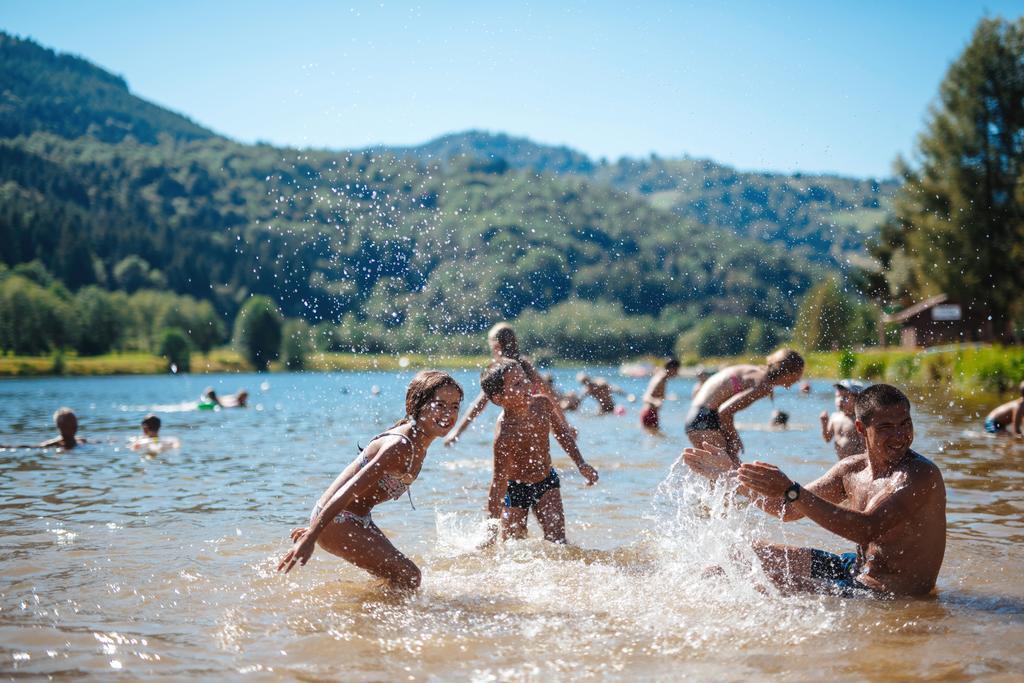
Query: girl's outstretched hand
305, 543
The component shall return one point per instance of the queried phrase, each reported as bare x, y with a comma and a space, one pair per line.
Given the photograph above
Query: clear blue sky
809, 86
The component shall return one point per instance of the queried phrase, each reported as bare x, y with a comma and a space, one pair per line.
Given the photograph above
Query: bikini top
737, 386
394, 486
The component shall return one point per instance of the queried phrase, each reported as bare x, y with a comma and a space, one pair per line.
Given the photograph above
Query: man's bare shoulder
923, 470
851, 464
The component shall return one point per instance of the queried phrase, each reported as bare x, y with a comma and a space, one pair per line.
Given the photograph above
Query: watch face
792, 494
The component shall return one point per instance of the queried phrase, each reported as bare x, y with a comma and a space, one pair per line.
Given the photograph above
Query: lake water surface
163, 567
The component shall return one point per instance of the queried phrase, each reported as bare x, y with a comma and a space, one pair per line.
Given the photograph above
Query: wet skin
840, 427
522, 453
357, 490
719, 394
890, 501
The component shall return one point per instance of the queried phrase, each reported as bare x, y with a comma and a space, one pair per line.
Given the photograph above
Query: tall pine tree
959, 216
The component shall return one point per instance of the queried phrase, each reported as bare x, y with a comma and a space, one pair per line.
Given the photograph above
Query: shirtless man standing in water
524, 478
894, 508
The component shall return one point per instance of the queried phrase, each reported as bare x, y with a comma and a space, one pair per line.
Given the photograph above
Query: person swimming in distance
889, 500
150, 440
340, 522
67, 424
712, 413
239, 400
209, 400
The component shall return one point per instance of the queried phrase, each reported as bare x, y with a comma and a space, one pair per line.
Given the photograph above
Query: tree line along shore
964, 371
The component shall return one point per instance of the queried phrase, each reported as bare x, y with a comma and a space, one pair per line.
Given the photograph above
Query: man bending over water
890, 501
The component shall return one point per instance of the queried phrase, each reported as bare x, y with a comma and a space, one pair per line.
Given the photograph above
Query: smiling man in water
890, 501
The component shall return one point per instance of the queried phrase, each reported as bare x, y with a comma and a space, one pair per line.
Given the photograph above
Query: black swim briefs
702, 419
526, 496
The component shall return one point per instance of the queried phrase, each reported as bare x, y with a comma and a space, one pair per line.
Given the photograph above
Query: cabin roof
918, 308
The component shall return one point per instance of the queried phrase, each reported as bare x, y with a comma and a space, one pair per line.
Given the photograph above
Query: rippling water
163, 567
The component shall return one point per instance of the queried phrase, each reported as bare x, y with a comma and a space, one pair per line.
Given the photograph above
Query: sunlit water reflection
164, 566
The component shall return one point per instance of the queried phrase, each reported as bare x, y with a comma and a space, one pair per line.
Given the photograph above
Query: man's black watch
792, 493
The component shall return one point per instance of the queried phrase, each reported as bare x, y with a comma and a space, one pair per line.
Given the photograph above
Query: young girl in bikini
503, 343
341, 522
731, 389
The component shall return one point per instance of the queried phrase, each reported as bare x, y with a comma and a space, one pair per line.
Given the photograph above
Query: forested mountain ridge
42, 90
824, 217
125, 195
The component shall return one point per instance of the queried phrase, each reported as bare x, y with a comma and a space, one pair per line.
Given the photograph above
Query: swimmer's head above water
151, 425
66, 422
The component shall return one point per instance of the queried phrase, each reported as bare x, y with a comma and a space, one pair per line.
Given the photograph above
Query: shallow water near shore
163, 567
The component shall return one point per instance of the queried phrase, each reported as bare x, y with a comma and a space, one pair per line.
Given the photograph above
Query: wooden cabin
938, 320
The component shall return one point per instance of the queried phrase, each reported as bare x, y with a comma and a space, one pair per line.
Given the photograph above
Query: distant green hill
518, 153
101, 186
825, 217
43, 91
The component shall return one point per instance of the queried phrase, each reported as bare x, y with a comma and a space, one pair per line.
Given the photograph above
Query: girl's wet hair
422, 389
784, 362
506, 338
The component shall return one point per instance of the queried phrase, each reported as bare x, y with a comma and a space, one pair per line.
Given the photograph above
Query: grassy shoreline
961, 370
218, 361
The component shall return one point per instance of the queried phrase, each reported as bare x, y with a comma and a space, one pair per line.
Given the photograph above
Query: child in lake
67, 424
655, 394
504, 344
732, 389
524, 478
839, 427
340, 521
150, 440
209, 400
1007, 417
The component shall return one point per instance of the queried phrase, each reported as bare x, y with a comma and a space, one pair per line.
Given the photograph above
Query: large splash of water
544, 609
